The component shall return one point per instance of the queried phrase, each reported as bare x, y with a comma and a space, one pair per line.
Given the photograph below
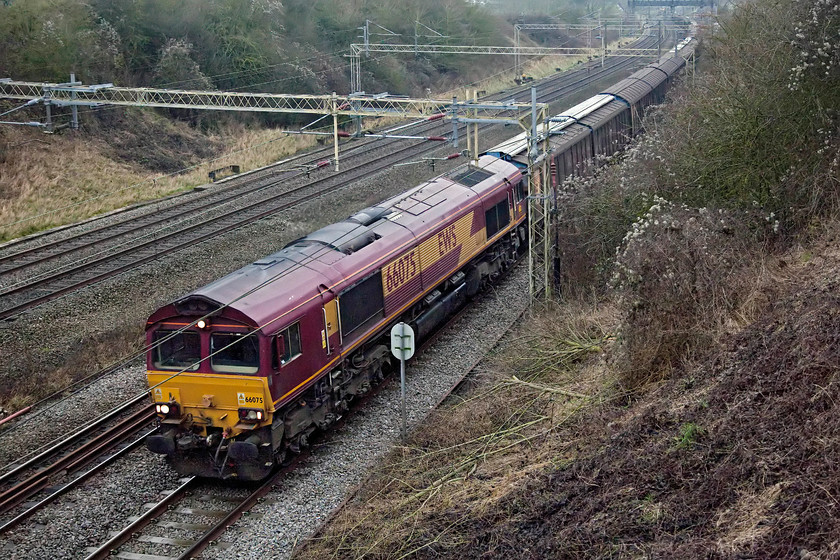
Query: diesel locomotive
243, 370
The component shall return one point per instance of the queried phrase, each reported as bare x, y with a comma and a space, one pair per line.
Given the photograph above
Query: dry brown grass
62, 179
427, 493
747, 521
122, 342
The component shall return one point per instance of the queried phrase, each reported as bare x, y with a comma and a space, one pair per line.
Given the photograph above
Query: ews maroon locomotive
242, 371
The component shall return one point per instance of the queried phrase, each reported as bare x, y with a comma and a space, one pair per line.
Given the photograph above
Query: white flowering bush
817, 42
595, 212
679, 274
176, 68
760, 124
743, 160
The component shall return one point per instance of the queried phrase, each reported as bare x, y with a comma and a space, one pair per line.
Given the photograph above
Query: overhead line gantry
516, 50
470, 112
357, 49
75, 94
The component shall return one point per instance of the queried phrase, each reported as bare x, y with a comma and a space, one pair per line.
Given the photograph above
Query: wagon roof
631, 89
518, 145
603, 114
671, 64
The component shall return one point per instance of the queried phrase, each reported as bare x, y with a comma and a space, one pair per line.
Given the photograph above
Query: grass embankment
56, 180
698, 417
554, 457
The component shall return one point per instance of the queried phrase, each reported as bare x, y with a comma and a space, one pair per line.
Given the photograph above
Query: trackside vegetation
258, 45
680, 400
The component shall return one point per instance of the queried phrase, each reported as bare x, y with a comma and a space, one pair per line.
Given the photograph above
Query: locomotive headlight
250, 414
201, 324
168, 409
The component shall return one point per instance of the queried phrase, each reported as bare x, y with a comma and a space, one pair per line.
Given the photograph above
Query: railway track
189, 518
35, 481
30, 277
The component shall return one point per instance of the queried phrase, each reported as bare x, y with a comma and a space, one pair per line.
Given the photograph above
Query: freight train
245, 369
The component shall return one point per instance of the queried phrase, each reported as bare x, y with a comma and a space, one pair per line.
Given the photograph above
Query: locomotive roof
268, 291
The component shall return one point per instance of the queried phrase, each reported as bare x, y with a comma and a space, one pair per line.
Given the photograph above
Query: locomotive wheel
281, 457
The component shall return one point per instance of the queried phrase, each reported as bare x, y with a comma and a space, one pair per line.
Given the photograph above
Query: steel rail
219, 528
126, 534
55, 447
84, 454
72, 484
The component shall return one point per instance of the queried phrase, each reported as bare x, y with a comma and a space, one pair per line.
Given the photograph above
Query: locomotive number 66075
400, 271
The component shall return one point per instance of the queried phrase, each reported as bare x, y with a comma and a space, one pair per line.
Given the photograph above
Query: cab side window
519, 189
291, 344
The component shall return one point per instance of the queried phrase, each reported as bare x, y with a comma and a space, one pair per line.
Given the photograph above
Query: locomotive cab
210, 379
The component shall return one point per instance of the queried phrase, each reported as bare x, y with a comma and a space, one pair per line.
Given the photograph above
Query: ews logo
447, 240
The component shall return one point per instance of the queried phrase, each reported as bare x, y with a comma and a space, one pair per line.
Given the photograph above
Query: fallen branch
546, 388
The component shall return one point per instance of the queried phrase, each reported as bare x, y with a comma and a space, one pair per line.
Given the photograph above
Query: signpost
402, 346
